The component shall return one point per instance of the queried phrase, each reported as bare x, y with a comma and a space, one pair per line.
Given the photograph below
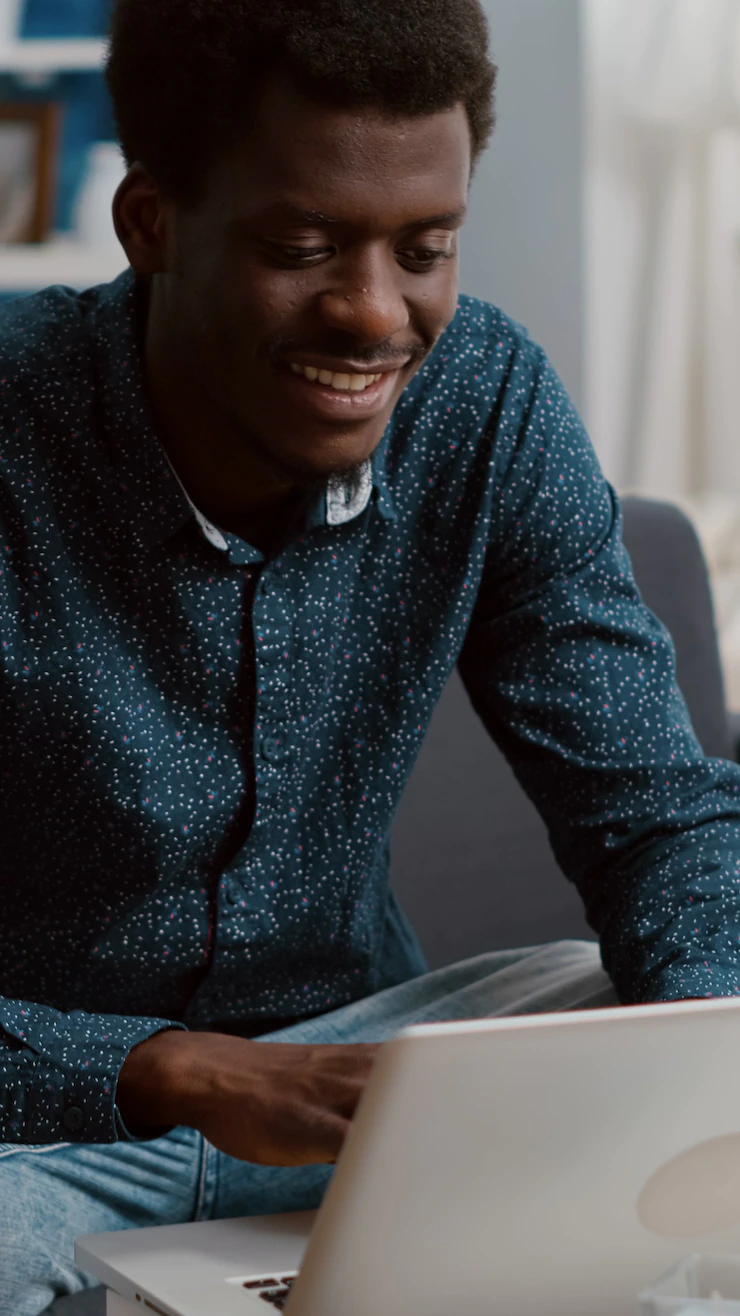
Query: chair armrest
734, 722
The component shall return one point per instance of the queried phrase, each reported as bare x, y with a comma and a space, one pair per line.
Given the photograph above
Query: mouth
340, 394
338, 381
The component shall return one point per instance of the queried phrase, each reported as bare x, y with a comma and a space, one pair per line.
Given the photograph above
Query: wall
523, 244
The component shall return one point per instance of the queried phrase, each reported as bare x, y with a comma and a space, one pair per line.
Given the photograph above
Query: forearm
164, 1081
669, 922
268, 1103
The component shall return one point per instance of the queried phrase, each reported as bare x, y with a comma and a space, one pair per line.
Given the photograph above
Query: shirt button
274, 750
233, 893
73, 1119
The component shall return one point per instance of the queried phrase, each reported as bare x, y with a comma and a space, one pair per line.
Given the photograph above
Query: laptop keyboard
274, 1291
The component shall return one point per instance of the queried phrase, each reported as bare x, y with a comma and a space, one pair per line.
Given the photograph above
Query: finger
325, 1137
368, 1057
353, 1059
345, 1103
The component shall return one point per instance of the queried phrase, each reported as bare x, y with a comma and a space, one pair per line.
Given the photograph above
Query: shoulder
475, 390
45, 360
43, 333
483, 340
500, 381
484, 365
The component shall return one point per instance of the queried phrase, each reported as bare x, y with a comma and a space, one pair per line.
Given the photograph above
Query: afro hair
184, 74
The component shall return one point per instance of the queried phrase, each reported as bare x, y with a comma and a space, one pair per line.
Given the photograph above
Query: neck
229, 482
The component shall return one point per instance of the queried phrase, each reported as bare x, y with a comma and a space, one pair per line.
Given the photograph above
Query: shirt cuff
62, 1070
686, 982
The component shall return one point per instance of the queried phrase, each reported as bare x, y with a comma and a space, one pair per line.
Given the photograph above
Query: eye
425, 258
299, 255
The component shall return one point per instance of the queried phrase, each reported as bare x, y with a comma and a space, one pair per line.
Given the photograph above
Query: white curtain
663, 248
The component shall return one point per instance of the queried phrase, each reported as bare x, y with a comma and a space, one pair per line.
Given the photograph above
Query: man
258, 497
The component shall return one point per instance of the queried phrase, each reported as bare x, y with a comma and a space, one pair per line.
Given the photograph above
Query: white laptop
549, 1165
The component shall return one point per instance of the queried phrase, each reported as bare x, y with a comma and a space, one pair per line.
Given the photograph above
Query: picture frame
29, 150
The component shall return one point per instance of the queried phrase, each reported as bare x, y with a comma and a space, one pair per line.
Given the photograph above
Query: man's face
323, 256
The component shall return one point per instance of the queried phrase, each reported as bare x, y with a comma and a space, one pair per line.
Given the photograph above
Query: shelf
63, 56
61, 260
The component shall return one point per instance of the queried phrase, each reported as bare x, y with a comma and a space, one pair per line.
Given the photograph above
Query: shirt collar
157, 505
210, 531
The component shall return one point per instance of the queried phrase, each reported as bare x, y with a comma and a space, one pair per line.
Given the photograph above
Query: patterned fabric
202, 751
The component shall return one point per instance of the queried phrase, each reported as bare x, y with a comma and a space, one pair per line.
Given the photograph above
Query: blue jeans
51, 1195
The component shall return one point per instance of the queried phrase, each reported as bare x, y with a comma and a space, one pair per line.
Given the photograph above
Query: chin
337, 461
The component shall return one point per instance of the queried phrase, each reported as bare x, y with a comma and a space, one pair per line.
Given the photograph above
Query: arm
59, 1072
65, 1078
575, 679
270, 1103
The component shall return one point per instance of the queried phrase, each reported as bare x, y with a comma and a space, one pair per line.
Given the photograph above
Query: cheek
226, 323
438, 306
271, 294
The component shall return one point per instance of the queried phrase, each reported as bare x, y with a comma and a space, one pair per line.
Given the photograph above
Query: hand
271, 1103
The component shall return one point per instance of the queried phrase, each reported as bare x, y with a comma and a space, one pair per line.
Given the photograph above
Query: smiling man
258, 497
302, 294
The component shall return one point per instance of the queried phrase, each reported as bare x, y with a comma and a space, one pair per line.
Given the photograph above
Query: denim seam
203, 1178
33, 1151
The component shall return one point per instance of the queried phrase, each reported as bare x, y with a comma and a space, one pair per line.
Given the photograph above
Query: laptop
547, 1164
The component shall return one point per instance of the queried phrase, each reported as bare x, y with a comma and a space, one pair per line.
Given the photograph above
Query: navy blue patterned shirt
202, 750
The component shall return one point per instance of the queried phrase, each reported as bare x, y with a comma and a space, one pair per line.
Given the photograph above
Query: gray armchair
465, 821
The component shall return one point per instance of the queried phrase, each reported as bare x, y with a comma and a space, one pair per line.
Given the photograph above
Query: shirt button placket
274, 749
73, 1119
273, 627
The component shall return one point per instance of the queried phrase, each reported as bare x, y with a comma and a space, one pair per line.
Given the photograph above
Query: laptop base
117, 1306
193, 1269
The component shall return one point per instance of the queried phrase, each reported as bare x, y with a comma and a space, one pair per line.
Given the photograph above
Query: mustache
393, 354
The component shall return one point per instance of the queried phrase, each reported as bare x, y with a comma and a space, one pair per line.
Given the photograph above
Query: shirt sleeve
59, 1073
576, 680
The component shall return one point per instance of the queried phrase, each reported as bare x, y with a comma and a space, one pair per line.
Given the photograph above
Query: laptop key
277, 1298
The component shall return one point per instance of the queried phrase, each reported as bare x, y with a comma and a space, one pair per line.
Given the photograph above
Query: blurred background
605, 218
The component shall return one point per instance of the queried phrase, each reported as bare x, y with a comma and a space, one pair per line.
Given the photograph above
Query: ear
144, 222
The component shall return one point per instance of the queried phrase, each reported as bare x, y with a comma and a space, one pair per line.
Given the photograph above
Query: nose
365, 299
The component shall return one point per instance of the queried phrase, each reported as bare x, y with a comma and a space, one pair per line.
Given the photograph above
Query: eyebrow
287, 210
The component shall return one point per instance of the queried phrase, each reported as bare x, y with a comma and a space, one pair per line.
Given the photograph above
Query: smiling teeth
342, 383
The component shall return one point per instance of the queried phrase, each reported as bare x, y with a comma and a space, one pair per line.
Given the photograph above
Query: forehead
345, 163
